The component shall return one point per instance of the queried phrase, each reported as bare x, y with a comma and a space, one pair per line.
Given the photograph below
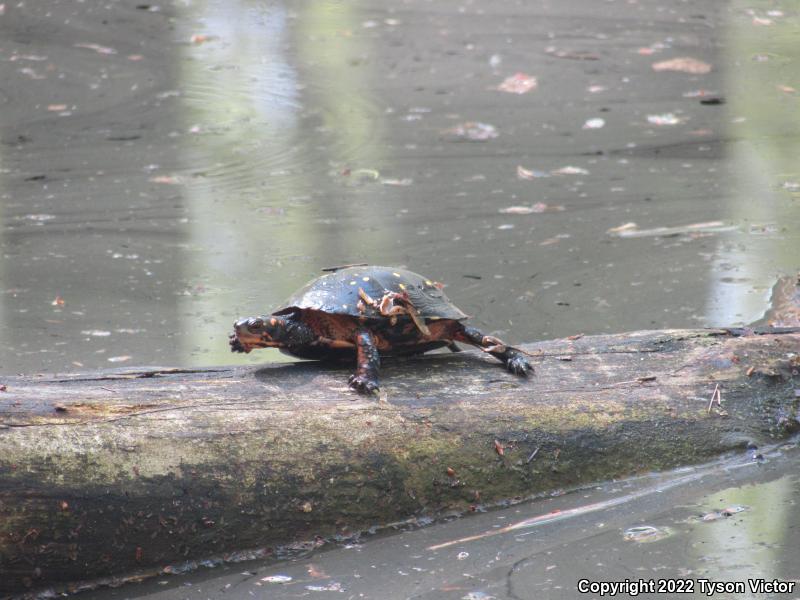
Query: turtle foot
363, 385
236, 345
518, 364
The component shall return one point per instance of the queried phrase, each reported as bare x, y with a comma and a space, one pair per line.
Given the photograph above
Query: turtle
365, 312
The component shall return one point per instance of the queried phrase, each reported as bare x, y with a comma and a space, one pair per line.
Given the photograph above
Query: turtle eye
255, 323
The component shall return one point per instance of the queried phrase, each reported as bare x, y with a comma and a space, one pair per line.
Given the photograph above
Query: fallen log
110, 472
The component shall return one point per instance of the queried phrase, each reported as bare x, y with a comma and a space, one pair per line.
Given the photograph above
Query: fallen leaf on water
595, 123
631, 226
58, 301
537, 208
787, 89
168, 179
665, 119
405, 181
56, 107
200, 38
473, 131
530, 174
97, 48
594, 89
518, 83
683, 64
96, 332
277, 579
498, 447
762, 21
631, 230
570, 170
118, 358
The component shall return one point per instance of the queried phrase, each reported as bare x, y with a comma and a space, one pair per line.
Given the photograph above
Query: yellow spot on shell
428, 282
402, 286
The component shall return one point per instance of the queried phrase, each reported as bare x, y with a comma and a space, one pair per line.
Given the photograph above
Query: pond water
168, 167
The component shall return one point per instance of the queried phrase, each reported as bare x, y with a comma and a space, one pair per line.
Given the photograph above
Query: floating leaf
595, 123
474, 131
530, 174
665, 119
683, 64
277, 579
518, 83
570, 170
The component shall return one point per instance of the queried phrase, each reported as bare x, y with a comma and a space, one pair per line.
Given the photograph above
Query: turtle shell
338, 293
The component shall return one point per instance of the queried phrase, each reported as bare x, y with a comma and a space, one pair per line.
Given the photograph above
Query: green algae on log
124, 470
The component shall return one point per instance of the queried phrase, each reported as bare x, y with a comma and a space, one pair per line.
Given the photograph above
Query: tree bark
117, 471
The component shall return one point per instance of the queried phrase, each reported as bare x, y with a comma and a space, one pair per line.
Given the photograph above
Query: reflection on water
167, 169
764, 127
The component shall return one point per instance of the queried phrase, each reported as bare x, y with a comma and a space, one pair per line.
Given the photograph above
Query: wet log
118, 471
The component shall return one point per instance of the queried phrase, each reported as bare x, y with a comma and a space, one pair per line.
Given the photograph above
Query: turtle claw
363, 385
518, 364
236, 345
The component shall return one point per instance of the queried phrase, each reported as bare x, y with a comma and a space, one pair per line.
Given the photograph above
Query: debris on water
792, 186
595, 89
518, 83
96, 332
530, 174
716, 515
119, 358
56, 107
645, 534
477, 595
786, 89
537, 208
595, 123
570, 170
462, 555
631, 230
665, 119
277, 579
683, 64
200, 38
473, 131
334, 586
698, 93
713, 101
58, 301
97, 48
167, 179
571, 54
405, 181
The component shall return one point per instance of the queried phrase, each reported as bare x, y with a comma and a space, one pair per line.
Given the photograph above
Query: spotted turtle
366, 312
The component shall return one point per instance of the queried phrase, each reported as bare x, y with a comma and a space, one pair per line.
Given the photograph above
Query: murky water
168, 167
694, 528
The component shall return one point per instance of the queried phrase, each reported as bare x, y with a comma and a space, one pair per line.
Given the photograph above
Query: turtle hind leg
513, 358
365, 379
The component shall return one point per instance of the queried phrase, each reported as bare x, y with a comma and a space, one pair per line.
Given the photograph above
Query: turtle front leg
513, 358
365, 379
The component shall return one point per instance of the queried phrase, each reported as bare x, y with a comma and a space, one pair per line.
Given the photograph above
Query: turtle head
257, 332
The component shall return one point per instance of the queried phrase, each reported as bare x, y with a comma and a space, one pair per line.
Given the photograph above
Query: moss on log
110, 472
